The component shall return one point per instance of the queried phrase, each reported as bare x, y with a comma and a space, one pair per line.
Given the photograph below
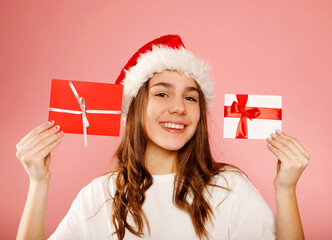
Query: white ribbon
81, 102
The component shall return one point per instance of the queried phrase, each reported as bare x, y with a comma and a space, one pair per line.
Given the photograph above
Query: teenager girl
167, 184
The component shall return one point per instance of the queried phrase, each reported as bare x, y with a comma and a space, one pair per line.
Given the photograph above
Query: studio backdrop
277, 48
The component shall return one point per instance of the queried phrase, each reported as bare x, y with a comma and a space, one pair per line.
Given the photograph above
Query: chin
172, 147
171, 144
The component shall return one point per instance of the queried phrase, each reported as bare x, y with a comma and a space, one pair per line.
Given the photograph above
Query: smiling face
173, 111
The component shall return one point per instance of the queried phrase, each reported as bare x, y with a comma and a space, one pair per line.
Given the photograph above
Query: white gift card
249, 116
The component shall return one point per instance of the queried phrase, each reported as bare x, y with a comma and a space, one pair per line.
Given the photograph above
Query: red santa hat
165, 52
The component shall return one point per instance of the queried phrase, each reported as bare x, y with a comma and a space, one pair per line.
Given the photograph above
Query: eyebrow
169, 85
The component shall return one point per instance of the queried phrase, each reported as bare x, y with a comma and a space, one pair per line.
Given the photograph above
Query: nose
177, 106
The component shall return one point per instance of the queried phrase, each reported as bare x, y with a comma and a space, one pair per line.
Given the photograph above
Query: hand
34, 151
292, 159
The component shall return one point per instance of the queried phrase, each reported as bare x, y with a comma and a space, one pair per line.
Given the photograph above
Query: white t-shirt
242, 215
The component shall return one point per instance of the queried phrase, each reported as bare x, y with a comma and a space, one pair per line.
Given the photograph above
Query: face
173, 111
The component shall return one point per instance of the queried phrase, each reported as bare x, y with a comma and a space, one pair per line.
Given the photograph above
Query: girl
167, 184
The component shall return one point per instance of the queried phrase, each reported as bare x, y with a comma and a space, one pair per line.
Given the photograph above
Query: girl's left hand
292, 159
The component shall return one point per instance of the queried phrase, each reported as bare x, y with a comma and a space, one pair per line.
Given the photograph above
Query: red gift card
86, 107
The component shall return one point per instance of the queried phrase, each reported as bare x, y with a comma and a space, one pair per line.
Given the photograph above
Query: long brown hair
195, 170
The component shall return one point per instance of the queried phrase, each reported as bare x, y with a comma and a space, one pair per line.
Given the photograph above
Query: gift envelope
86, 107
251, 116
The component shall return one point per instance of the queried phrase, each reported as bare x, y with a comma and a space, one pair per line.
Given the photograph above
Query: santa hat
165, 52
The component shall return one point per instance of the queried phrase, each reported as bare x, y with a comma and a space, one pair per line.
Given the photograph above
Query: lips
173, 127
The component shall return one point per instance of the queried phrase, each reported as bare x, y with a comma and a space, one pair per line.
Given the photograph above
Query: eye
161, 95
191, 99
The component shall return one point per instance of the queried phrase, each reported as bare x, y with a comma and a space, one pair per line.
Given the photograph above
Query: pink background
257, 47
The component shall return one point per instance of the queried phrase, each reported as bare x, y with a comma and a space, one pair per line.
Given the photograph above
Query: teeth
172, 125
179, 126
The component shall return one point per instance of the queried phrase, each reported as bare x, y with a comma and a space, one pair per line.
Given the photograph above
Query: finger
290, 144
306, 154
296, 142
46, 142
297, 154
282, 147
45, 151
282, 157
37, 139
35, 131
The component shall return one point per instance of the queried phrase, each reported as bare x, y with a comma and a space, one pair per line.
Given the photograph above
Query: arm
292, 160
289, 224
34, 153
32, 225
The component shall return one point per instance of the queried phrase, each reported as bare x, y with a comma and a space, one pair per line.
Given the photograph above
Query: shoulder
233, 178
102, 187
251, 216
91, 197
243, 195
241, 190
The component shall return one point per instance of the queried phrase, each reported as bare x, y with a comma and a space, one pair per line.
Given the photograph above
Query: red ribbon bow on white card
239, 109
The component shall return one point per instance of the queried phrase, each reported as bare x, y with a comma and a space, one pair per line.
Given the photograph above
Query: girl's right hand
34, 151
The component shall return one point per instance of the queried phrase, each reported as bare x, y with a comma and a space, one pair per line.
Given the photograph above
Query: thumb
278, 165
48, 160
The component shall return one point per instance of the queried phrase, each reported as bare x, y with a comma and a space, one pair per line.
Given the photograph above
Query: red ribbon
239, 110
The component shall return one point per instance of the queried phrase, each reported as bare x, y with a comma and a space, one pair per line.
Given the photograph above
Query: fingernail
269, 145
273, 135
56, 128
51, 122
268, 139
278, 131
60, 133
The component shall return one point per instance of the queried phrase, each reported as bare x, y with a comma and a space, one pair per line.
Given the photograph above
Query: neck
160, 161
